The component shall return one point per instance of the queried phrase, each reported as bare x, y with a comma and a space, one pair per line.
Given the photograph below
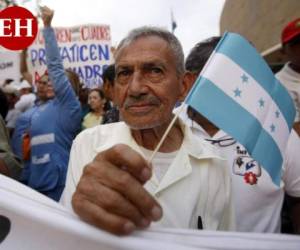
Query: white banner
31, 221
86, 49
9, 66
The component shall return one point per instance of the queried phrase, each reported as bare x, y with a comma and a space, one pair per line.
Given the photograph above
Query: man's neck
149, 138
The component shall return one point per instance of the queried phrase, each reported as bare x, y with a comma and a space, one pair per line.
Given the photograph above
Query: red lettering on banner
63, 35
95, 33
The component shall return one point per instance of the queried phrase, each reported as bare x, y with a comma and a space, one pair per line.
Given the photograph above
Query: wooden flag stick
166, 133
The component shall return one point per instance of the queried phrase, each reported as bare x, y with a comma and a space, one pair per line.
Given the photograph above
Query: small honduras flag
238, 92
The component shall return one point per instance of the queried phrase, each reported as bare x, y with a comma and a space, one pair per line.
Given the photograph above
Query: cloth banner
31, 221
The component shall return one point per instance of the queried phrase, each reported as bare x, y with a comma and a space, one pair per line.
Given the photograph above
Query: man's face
147, 85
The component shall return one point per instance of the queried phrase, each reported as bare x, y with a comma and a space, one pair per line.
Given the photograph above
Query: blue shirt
52, 127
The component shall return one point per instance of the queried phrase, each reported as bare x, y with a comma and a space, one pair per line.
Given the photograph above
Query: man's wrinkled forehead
151, 50
147, 40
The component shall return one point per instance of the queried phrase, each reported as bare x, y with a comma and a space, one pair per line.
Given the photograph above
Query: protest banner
9, 65
84, 49
41, 223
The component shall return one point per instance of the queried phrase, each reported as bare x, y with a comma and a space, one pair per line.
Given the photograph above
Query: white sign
9, 66
86, 49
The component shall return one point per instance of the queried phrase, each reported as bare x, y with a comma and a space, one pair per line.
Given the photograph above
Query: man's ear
187, 83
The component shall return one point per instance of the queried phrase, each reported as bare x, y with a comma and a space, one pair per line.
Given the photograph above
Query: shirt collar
194, 145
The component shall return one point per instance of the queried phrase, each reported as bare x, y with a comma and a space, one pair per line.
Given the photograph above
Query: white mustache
148, 99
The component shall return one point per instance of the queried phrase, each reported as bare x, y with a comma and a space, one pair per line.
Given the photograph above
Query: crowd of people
89, 149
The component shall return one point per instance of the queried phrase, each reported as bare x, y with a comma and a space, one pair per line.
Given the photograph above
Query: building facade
261, 22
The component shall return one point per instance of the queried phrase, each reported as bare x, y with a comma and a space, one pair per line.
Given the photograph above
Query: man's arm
61, 84
23, 67
110, 193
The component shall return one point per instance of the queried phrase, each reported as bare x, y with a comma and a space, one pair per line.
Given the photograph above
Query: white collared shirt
257, 207
196, 184
291, 80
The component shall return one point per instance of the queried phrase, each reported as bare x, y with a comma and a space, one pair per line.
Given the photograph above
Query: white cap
24, 85
10, 89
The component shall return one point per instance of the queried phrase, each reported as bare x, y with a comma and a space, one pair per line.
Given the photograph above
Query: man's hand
47, 15
110, 193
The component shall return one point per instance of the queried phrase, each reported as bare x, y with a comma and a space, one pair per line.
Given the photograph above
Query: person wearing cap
27, 98
289, 75
12, 96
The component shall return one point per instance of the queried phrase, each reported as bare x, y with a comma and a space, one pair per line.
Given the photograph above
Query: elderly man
111, 185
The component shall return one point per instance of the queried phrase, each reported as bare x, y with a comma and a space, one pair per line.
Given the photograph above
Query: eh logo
18, 28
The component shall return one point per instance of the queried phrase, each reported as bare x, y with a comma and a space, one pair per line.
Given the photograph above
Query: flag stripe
247, 58
229, 78
268, 155
238, 122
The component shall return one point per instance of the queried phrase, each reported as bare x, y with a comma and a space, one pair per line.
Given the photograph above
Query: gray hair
164, 34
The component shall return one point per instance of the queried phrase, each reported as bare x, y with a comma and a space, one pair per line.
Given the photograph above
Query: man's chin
140, 124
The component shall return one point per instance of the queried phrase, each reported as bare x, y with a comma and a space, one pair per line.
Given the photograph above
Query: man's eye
123, 73
156, 70
123, 76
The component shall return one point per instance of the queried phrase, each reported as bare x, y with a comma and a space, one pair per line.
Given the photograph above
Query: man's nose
137, 84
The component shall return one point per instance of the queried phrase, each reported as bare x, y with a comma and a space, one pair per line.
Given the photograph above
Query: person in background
27, 98
12, 95
112, 113
45, 93
24, 68
10, 165
48, 129
110, 183
96, 101
83, 99
4, 104
289, 75
257, 201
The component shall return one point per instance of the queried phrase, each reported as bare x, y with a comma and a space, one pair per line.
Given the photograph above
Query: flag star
277, 113
272, 127
245, 78
237, 92
261, 102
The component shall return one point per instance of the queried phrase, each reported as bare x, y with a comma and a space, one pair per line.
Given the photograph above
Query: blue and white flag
238, 92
